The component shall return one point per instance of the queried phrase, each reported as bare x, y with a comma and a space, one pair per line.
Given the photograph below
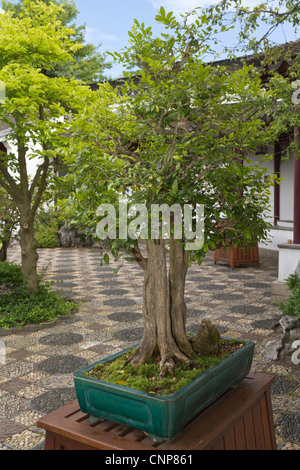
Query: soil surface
146, 378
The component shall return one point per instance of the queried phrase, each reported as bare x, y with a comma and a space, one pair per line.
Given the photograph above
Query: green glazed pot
161, 417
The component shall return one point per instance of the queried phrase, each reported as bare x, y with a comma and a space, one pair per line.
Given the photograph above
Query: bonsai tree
36, 109
174, 134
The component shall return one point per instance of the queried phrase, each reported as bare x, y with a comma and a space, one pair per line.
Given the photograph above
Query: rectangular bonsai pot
161, 417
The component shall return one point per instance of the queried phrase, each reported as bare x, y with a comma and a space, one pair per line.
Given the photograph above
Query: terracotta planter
161, 417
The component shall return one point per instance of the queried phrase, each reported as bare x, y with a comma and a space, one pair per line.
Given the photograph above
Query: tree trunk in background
28, 251
164, 307
3, 251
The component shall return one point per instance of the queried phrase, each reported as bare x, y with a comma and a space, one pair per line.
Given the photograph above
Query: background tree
88, 62
36, 110
175, 136
257, 26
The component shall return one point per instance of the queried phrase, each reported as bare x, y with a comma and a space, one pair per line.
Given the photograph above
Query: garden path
36, 367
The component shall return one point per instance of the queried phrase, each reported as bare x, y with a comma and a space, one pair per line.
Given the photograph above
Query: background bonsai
176, 132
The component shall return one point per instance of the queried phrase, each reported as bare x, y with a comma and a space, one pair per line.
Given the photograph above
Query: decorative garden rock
283, 349
207, 340
69, 238
291, 333
64, 237
272, 350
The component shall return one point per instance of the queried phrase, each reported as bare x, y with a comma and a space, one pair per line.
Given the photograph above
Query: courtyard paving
36, 367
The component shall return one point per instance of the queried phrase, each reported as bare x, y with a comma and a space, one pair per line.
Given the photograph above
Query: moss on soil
146, 377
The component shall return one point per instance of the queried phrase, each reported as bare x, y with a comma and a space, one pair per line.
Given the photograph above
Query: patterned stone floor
36, 367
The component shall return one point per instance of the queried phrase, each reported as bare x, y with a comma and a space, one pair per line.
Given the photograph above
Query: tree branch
10, 185
35, 181
140, 259
42, 185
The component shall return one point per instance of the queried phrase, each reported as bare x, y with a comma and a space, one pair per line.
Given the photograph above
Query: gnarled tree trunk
164, 308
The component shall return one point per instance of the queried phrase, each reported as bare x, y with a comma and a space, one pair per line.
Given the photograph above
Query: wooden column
277, 154
297, 190
3, 148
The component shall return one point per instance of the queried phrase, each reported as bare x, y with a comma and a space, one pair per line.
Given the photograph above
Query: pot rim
78, 375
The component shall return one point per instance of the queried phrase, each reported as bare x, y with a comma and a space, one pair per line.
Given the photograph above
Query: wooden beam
277, 155
296, 190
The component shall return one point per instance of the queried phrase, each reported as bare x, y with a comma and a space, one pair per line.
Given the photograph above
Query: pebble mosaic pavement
36, 367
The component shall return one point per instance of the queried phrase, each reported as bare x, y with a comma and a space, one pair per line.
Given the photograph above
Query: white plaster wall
32, 162
288, 262
277, 237
287, 190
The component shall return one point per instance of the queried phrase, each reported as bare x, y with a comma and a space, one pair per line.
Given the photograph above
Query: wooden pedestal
240, 420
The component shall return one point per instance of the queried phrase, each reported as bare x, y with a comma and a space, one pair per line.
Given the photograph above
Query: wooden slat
58, 423
267, 423
258, 426
219, 445
240, 435
249, 431
229, 440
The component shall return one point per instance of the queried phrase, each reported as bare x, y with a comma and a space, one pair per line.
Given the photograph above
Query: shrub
10, 274
20, 308
292, 305
46, 235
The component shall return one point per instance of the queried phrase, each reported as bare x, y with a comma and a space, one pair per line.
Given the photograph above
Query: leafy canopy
174, 132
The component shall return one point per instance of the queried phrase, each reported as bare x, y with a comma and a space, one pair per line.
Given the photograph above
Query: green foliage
46, 235
292, 305
20, 308
146, 377
87, 62
10, 274
46, 228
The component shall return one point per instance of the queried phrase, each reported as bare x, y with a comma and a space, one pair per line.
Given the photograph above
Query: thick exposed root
166, 366
140, 356
168, 363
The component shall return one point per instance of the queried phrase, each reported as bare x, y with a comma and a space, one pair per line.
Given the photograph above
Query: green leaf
117, 270
175, 187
